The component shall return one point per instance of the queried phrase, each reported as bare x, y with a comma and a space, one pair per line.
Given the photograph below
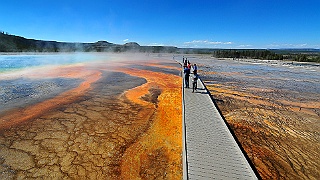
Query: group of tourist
187, 71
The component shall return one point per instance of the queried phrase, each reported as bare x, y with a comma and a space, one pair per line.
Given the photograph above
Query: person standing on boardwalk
186, 76
195, 69
195, 81
189, 65
185, 63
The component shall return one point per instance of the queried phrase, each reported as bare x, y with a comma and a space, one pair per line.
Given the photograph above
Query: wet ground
273, 108
100, 122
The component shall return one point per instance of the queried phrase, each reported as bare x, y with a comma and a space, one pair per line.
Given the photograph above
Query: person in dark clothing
195, 69
185, 63
189, 65
195, 81
186, 76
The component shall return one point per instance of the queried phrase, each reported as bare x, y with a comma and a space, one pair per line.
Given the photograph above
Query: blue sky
185, 23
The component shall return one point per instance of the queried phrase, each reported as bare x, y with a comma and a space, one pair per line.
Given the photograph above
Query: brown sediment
308, 104
89, 77
157, 154
229, 92
280, 136
206, 73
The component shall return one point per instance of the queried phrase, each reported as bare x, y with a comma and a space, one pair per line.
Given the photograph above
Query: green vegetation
248, 53
12, 43
302, 55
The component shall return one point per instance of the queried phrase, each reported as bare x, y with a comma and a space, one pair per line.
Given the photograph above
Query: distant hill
12, 43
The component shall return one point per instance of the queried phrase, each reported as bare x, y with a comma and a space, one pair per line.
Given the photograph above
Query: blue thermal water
16, 62
22, 91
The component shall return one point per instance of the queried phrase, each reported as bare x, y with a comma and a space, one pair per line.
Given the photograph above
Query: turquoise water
23, 61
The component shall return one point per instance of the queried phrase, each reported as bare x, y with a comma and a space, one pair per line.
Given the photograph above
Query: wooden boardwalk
210, 150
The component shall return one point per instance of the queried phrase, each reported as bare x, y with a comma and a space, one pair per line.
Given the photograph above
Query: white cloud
206, 42
155, 44
244, 46
287, 45
125, 40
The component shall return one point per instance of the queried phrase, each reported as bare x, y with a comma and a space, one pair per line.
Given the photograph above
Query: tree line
304, 57
245, 54
293, 55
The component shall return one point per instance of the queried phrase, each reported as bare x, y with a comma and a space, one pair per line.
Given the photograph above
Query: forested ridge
12, 43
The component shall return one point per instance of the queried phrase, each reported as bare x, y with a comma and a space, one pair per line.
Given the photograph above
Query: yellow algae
157, 154
207, 73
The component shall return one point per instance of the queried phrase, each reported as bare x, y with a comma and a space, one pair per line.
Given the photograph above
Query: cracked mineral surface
273, 109
107, 122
